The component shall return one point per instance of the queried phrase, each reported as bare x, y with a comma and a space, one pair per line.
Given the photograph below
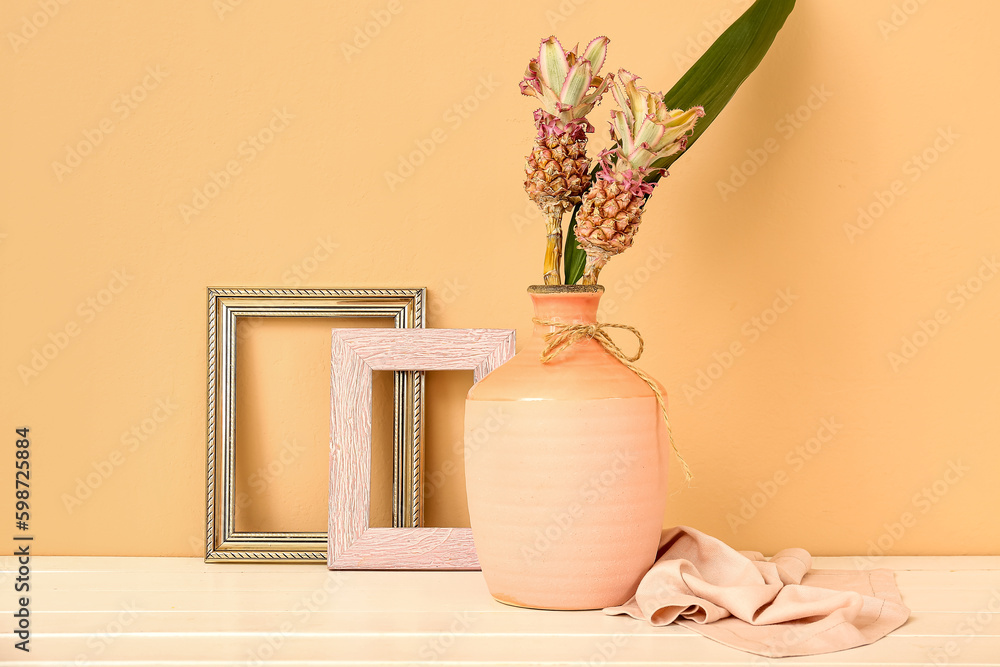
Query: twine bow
566, 335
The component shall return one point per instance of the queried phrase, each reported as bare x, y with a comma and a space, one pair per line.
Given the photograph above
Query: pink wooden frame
352, 544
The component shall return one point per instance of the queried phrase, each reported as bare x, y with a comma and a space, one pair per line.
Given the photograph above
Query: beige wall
891, 106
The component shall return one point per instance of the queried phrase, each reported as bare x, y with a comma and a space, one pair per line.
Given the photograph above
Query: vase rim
565, 289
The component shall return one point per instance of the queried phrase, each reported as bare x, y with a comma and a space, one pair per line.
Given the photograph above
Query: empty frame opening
445, 503
381, 500
282, 424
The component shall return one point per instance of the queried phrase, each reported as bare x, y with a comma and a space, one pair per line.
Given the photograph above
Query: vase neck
564, 307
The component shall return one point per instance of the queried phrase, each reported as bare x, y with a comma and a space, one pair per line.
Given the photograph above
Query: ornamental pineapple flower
645, 131
567, 86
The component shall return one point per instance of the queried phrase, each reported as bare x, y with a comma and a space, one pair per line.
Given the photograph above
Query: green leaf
711, 83
574, 258
713, 80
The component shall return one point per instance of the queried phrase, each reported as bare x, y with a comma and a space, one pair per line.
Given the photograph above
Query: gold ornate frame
225, 306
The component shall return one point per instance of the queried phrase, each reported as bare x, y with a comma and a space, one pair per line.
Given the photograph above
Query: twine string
565, 336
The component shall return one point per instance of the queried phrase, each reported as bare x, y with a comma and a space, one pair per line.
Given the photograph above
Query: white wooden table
180, 611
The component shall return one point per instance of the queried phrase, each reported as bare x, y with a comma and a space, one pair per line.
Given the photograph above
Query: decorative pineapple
645, 130
568, 88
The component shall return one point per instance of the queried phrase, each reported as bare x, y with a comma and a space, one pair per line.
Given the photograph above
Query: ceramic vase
566, 465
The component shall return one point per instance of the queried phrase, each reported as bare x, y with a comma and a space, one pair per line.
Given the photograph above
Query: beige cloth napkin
774, 607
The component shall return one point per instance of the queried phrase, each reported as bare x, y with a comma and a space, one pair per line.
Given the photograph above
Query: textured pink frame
352, 544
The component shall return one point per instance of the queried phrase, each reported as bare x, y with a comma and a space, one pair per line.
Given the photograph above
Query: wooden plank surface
143, 611
149, 564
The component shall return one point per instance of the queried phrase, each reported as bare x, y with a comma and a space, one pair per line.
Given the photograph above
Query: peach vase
566, 466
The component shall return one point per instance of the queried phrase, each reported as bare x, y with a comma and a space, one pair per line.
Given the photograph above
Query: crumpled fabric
775, 607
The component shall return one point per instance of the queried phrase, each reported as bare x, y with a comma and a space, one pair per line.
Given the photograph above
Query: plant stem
595, 262
553, 248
